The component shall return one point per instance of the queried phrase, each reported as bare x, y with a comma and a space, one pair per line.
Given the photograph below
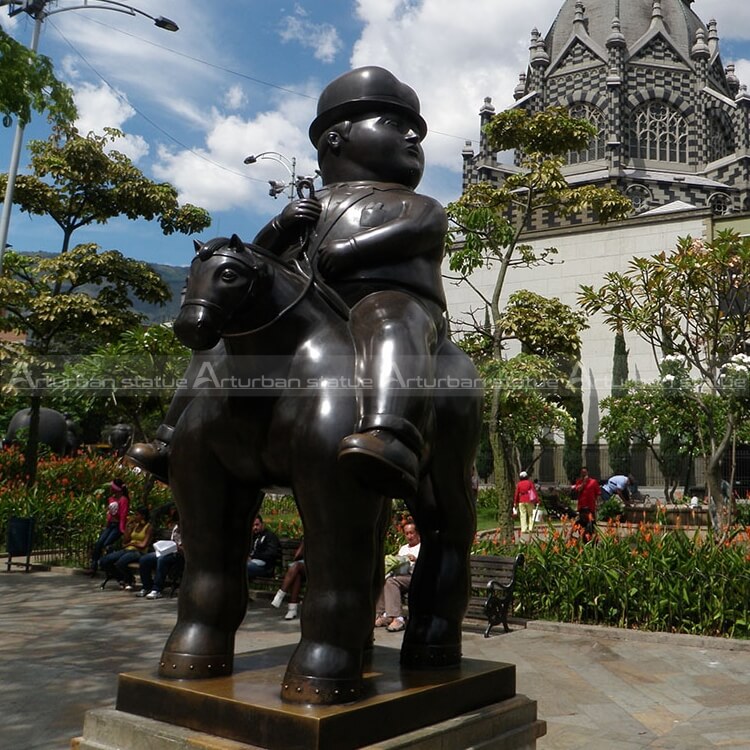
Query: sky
242, 77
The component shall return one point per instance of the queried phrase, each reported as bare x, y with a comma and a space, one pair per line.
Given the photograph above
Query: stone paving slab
63, 643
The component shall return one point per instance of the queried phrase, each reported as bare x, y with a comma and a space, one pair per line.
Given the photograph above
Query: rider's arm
288, 227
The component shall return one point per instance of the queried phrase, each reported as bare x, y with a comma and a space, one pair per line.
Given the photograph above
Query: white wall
585, 257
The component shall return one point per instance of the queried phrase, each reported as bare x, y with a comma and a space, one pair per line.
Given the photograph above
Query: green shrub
609, 510
487, 498
68, 500
641, 577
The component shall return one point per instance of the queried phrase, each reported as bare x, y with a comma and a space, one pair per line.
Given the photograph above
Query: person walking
525, 499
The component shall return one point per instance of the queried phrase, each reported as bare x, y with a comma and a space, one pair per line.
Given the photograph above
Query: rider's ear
333, 139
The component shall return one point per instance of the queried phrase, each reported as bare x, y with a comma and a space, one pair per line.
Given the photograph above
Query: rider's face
386, 149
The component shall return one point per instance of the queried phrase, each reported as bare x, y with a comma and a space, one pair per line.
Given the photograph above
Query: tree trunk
503, 487
31, 454
716, 504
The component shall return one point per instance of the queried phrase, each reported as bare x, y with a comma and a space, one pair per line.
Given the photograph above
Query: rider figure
379, 245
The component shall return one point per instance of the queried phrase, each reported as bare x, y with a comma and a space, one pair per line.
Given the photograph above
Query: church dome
635, 17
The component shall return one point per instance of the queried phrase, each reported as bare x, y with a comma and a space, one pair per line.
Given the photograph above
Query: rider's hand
337, 257
299, 213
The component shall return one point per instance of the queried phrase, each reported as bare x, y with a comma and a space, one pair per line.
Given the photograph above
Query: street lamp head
251, 159
277, 188
166, 23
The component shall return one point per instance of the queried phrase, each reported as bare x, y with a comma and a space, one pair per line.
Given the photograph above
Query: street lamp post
290, 165
37, 9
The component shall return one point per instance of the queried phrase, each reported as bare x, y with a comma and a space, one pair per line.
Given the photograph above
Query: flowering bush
68, 500
642, 577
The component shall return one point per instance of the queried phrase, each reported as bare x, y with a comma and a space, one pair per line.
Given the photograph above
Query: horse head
223, 276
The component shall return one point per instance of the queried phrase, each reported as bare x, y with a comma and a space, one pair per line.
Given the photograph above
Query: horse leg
445, 515
440, 586
343, 549
215, 512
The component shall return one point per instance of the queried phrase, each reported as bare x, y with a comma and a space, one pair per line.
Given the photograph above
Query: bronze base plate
247, 706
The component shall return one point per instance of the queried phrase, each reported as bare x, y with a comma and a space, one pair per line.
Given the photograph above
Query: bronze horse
279, 400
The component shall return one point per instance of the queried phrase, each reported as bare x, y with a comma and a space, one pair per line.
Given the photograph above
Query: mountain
174, 277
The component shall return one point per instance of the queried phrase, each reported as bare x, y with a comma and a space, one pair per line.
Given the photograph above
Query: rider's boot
384, 454
154, 456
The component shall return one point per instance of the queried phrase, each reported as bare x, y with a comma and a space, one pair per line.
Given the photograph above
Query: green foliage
51, 298
644, 578
280, 514
79, 180
74, 301
487, 225
132, 379
27, 82
552, 132
487, 498
693, 301
544, 325
610, 510
68, 501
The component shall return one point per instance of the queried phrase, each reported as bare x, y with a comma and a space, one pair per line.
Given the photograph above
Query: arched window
721, 204
658, 132
640, 196
597, 145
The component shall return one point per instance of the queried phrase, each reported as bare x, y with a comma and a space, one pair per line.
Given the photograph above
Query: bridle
227, 250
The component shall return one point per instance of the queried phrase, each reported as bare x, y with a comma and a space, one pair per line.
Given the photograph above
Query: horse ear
197, 245
236, 244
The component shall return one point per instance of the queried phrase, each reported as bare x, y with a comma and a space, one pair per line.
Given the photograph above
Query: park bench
174, 576
493, 579
273, 581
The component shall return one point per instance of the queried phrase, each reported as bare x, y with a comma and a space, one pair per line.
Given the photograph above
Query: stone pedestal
472, 706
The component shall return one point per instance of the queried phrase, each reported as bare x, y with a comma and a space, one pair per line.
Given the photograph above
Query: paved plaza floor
63, 642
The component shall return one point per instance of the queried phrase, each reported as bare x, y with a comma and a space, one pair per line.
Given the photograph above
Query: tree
63, 303
657, 416
131, 379
696, 299
75, 298
27, 82
79, 180
619, 443
489, 223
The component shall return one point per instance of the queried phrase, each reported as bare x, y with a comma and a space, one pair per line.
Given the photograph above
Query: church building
673, 134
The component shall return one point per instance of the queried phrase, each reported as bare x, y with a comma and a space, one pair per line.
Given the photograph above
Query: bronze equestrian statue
325, 366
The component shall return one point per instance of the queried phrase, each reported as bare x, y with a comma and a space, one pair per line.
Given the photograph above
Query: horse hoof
192, 667
421, 656
319, 691
380, 460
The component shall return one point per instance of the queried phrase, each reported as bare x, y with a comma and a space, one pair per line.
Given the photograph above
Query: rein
279, 315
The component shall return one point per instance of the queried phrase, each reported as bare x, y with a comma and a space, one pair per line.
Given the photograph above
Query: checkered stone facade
623, 77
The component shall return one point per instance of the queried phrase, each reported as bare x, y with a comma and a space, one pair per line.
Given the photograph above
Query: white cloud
100, 107
452, 57
322, 38
229, 140
235, 97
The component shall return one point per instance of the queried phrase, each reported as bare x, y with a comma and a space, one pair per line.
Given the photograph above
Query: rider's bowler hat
361, 91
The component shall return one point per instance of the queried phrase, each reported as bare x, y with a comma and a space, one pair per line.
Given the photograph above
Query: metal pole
293, 183
15, 156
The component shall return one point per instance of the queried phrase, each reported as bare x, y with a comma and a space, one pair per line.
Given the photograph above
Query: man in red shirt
587, 490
